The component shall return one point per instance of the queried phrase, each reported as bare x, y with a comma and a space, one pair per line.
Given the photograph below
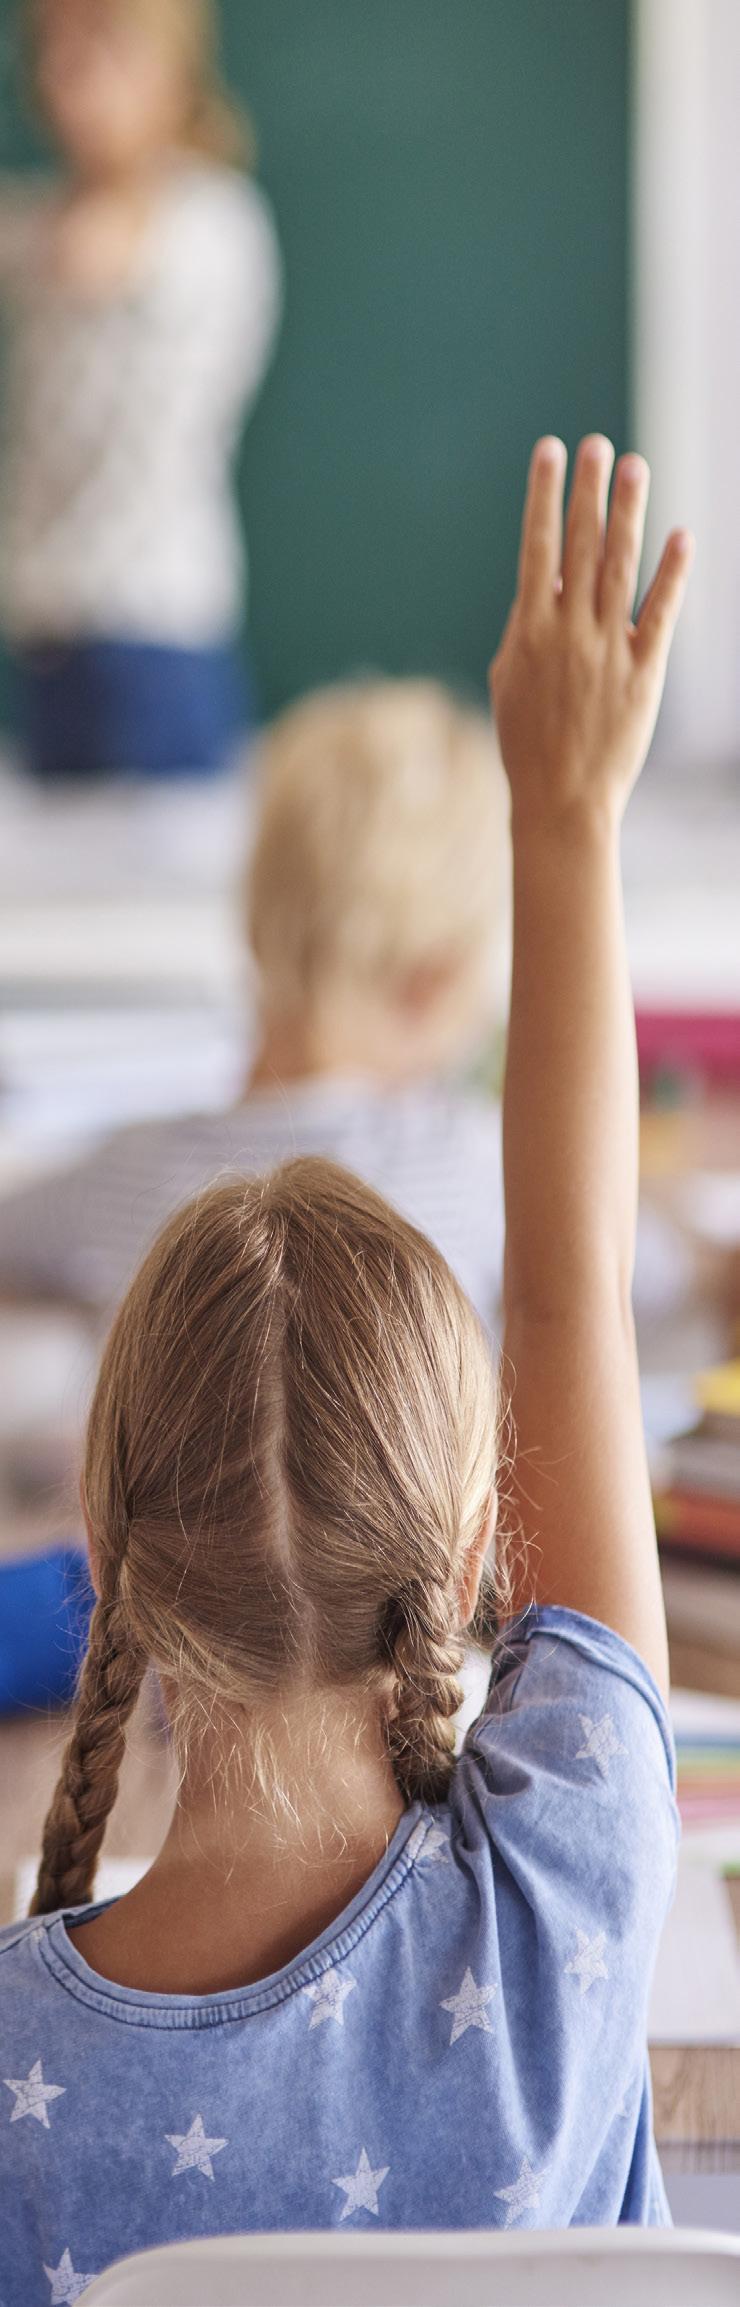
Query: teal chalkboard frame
450, 180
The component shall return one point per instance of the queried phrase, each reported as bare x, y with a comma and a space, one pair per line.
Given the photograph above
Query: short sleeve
564, 1809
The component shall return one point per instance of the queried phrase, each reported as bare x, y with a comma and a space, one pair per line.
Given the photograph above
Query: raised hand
576, 683
576, 687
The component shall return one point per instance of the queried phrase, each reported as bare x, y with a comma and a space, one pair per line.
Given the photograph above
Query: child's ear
472, 1572
92, 1545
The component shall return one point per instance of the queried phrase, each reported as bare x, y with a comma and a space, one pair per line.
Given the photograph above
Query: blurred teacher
142, 294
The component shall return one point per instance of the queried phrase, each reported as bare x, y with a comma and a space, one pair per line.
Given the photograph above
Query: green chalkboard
450, 181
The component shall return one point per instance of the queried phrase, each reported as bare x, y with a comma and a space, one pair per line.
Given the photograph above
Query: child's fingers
624, 539
584, 534
660, 609
542, 524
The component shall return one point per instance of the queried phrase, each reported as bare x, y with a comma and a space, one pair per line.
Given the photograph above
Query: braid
491, 1606
426, 1653
86, 1789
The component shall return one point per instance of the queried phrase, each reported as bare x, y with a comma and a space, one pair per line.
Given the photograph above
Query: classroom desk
696, 2091
696, 2088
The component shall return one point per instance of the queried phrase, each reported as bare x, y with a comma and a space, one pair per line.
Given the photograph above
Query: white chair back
583, 2267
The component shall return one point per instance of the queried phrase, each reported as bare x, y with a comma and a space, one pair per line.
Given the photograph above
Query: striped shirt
435, 1153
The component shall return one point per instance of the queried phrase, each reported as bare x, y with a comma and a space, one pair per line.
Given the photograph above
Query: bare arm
576, 689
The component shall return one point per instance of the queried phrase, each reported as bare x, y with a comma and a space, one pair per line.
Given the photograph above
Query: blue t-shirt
464, 2047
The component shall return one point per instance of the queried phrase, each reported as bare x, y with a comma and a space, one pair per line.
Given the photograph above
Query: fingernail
684, 543
595, 448
550, 450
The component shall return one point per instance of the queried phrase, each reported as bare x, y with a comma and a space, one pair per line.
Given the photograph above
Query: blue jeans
89, 709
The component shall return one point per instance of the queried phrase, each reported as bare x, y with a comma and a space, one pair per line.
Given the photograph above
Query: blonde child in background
141, 293
362, 1983
375, 915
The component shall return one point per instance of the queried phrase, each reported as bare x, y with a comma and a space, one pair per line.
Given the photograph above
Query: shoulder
574, 1758
159, 1146
179, 1152
139, 1174
131, 1160
155, 1166
19, 1943
139, 1146
35, 2013
551, 1665
226, 214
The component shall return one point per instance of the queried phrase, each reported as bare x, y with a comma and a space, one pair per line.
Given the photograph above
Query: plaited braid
426, 1652
86, 1791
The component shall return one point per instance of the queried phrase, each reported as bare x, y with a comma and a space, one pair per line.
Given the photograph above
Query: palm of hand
576, 685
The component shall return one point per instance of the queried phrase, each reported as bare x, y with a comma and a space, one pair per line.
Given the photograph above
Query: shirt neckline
145, 2007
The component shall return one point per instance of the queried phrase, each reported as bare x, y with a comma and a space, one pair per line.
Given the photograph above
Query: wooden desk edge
696, 2093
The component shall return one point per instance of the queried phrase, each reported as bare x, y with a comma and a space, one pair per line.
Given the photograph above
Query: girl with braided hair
364, 1981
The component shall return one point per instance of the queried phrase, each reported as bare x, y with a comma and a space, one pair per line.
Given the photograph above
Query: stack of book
689, 1045
697, 1483
707, 1735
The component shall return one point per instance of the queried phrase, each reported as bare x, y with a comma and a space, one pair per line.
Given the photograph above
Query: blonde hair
291, 1451
381, 843
213, 124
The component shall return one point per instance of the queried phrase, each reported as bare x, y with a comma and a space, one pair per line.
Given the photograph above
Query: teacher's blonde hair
213, 124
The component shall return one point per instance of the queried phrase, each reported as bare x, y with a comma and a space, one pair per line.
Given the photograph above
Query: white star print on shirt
361, 2187
66, 2286
328, 1995
468, 2007
588, 1964
524, 2194
436, 1847
31, 2095
194, 2150
601, 1742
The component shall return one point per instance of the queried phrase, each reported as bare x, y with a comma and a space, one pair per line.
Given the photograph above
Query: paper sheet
697, 1714
696, 1989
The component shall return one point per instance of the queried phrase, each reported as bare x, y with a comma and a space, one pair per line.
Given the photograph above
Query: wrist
589, 824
